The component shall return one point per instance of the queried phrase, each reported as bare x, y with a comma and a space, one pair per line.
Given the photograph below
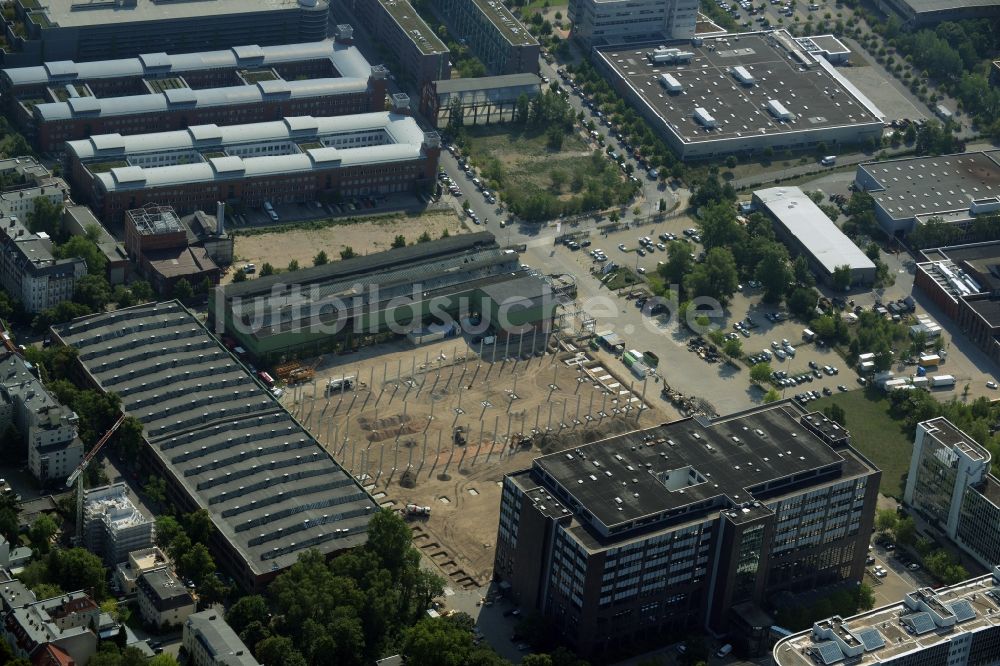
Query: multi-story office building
497, 38
957, 625
689, 524
209, 641
48, 428
950, 487
417, 54
597, 22
113, 526
61, 102
59, 30
297, 159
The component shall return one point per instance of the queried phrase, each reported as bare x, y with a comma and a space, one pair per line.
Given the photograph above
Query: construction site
431, 430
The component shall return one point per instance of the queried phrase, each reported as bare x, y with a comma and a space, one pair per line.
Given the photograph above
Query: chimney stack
220, 218
401, 104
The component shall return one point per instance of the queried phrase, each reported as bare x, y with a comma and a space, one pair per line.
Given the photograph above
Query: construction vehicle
416, 511
285, 370
76, 476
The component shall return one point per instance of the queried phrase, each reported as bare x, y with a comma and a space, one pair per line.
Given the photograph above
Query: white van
829, 160
724, 651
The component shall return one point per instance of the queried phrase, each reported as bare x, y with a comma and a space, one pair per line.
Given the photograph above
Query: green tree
142, 291
198, 526
293, 265
760, 373
774, 274
128, 439
841, 278
733, 348
320, 258
886, 520
196, 563
42, 531
424, 238
803, 274
679, 263
278, 651
77, 569
251, 608
348, 253
521, 109
435, 642
46, 217
240, 276
167, 530
183, 291
772, 395
399, 241
719, 227
802, 302
716, 277
93, 291
906, 531
84, 248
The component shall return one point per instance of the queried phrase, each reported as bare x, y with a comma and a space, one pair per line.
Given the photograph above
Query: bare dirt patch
435, 426
279, 247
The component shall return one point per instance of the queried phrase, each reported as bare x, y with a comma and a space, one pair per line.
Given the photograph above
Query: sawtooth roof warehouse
741, 94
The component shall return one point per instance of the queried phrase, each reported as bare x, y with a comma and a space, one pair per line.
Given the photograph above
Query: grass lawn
876, 434
622, 278
539, 182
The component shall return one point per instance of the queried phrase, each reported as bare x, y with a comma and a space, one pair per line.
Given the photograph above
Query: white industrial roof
401, 130
804, 220
208, 97
346, 59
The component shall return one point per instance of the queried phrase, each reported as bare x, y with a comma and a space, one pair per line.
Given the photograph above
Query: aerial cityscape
490, 332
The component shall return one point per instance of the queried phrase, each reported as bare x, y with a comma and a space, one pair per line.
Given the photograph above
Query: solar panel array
871, 638
963, 610
921, 622
830, 652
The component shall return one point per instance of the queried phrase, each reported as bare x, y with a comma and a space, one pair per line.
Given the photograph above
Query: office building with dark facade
65, 101
493, 33
688, 525
57, 30
417, 53
957, 625
296, 159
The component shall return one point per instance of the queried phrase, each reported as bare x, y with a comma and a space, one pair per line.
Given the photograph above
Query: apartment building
599, 22
59, 30
958, 625
950, 487
48, 428
163, 599
296, 159
209, 641
59, 102
687, 525
492, 32
63, 628
417, 54
113, 526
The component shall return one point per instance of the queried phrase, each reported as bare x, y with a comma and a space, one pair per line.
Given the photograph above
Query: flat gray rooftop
818, 98
934, 185
84, 13
270, 488
509, 27
419, 32
688, 468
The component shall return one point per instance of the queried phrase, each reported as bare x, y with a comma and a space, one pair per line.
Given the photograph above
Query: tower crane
76, 476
